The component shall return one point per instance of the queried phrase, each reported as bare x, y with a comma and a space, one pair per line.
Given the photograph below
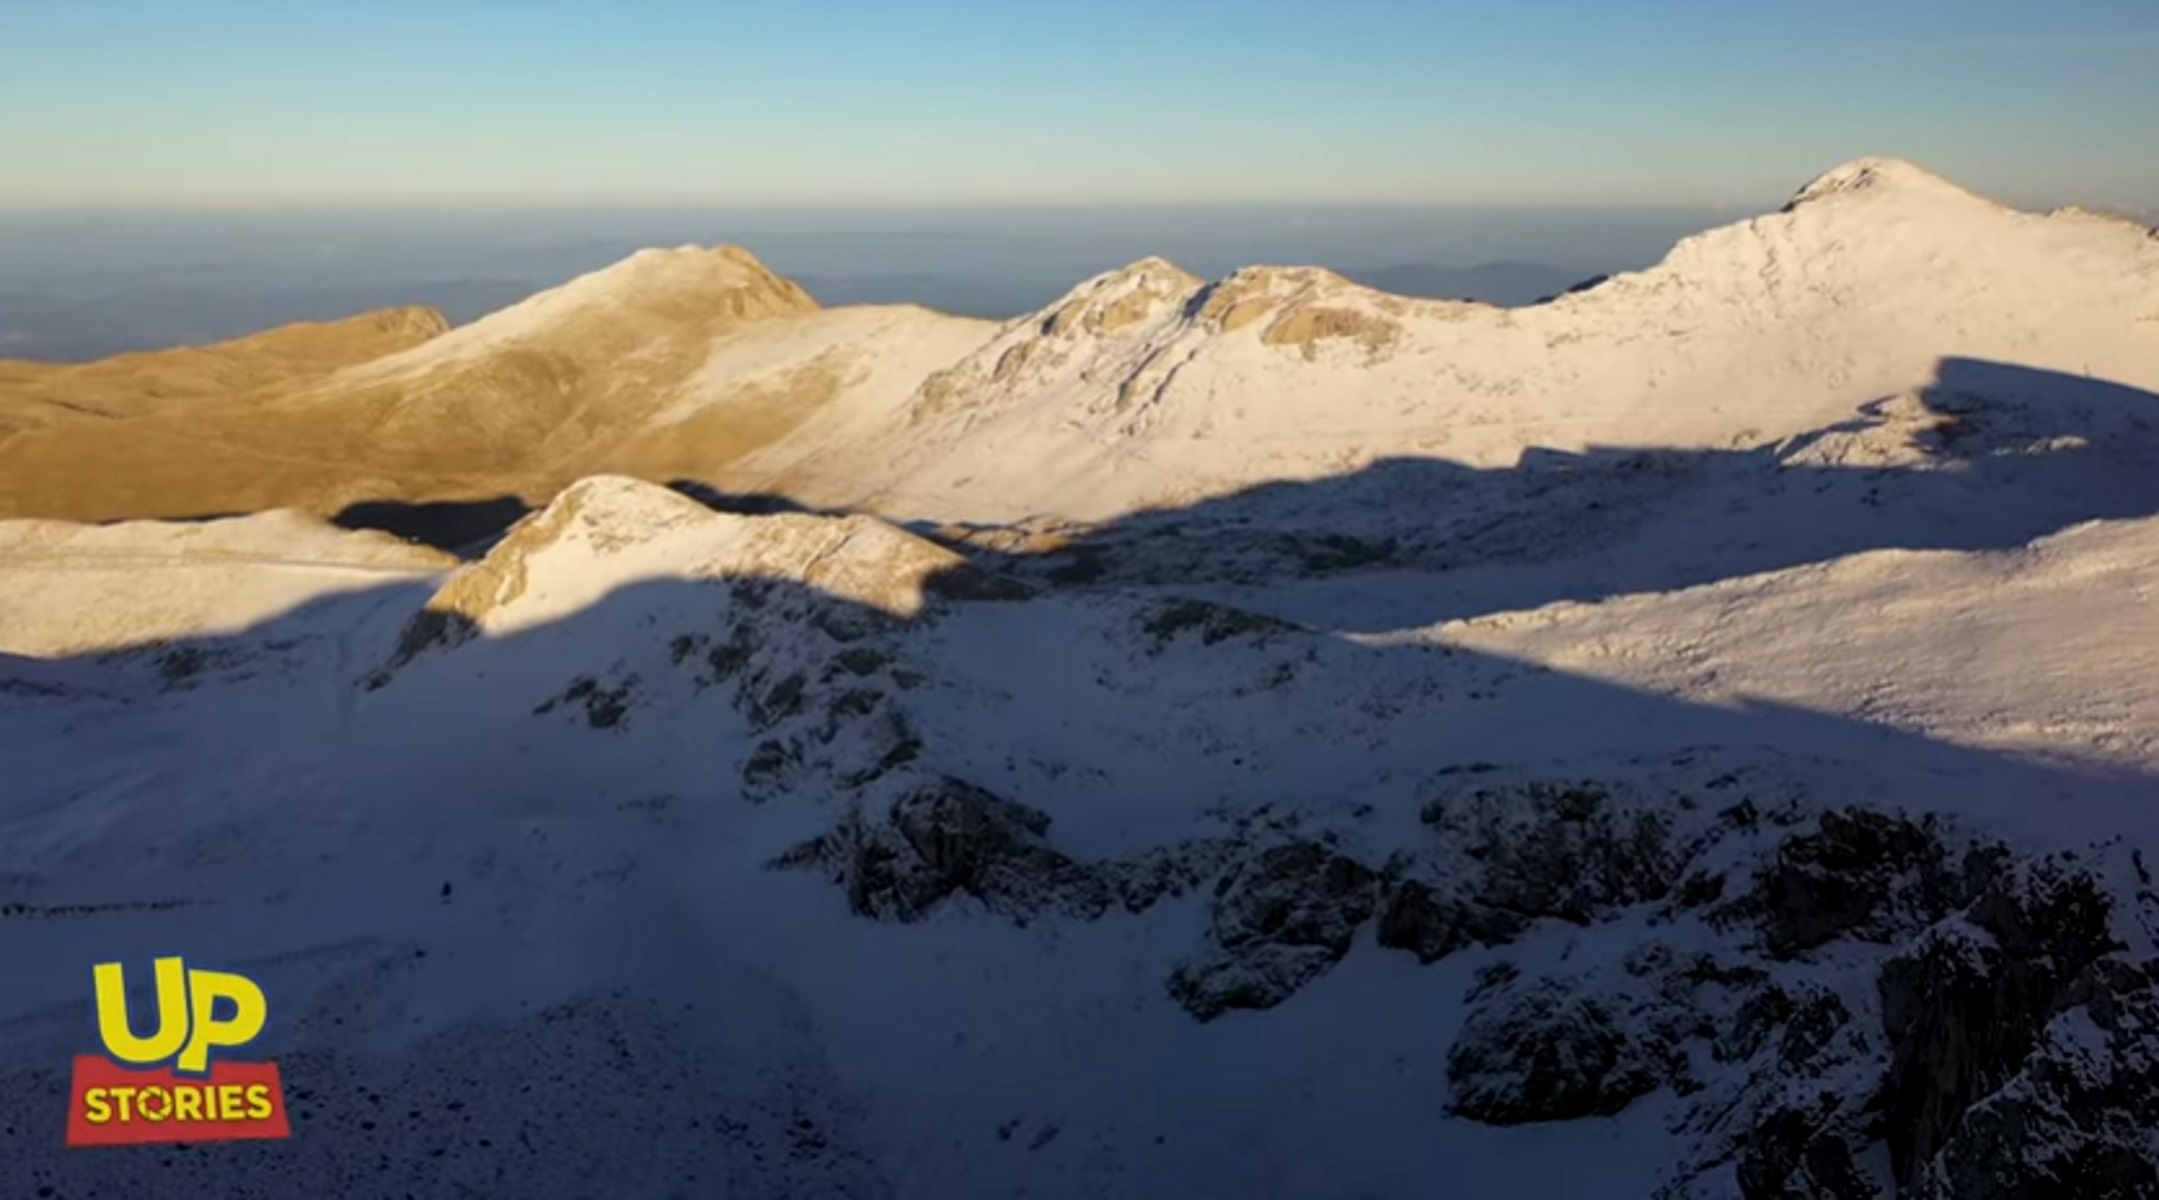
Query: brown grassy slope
391, 405
36, 394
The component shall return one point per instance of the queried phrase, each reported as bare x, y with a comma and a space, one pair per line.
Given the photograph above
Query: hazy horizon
657, 102
82, 285
193, 172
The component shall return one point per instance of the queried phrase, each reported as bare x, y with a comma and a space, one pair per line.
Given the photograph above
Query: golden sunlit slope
670, 363
36, 395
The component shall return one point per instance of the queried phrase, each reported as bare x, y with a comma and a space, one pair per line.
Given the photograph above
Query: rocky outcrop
1840, 1003
1801, 1153
1508, 856
1306, 307
1967, 1005
1283, 918
1794, 1024
947, 837
1547, 1050
1975, 1027
1109, 333
2009, 1051
1212, 624
2076, 1119
1280, 915
1861, 874
1433, 919
1567, 850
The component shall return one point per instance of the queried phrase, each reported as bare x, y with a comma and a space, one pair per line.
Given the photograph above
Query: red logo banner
110, 1105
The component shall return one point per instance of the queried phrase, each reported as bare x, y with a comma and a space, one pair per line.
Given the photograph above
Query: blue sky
941, 102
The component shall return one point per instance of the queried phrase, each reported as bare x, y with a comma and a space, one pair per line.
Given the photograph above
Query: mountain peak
1122, 299
1879, 176
686, 287
1152, 265
687, 271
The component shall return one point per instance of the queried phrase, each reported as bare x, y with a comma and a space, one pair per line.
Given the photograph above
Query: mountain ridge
1142, 385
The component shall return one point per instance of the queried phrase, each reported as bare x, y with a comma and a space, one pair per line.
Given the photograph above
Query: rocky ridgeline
1822, 990
818, 681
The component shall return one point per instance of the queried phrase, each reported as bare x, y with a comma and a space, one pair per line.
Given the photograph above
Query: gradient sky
938, 102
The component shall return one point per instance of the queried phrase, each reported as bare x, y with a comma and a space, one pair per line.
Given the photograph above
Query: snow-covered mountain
1695, 738
1145, 386
1150, 386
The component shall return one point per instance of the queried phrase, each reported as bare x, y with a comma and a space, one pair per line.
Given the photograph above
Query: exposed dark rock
777, 702
770, 768
949, 837
727, 659
1330, 552
1425, 919
1302, 893
1287, 915
844, 623
2015, 1057
1142, 881
429, 629
1699, 890
2076, 1122
854, 702
1258, 976
1794, 1154
861, 660
1860, 873
1565, 850
605, 707
1212, 622
1545, 1051
1967, 1004
181, 663
1800, 1022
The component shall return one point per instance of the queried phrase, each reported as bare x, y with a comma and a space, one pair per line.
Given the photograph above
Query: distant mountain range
58, 329
1510, 284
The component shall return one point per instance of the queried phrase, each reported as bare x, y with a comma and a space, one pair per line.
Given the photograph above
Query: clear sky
940, 102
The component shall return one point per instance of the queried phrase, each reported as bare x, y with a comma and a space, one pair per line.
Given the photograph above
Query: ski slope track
1697, 738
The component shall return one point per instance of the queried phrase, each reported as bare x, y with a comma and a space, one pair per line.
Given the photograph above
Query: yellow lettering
94, 1108
187, 1102
229, 1101
258, 1102
109, 989
164, 1103
125, 1098
250, 1011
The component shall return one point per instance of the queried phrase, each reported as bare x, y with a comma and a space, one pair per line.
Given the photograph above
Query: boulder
1285, 916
